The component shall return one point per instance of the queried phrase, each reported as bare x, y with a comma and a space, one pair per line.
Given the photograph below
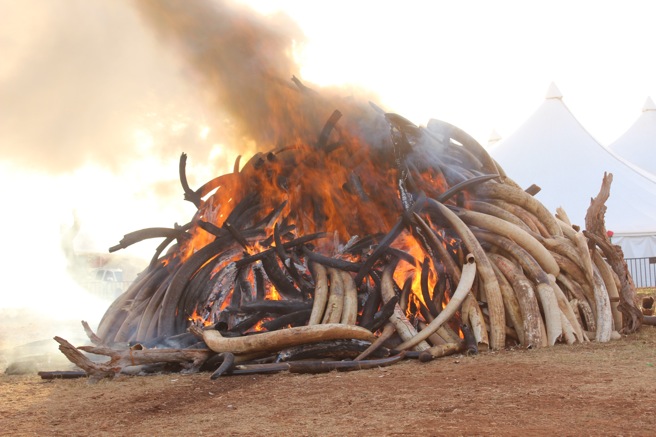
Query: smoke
242, 59
74, 88
246, 64
94, 118
100, 98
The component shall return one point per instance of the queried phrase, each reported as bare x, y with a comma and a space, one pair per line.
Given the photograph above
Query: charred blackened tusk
189, 194
275, 306
287, 245
235, 167
380, 250
334, 349
328, 366
295, 319
385, 335
225, 180
371, 304
383, 315
283, 284
226, 366
448, 194
471, 348
327, 129
327, 261
148, 233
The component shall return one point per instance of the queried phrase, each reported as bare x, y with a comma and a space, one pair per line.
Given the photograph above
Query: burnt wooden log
315, 366
63, 374
336, 350
297, 318
276, 306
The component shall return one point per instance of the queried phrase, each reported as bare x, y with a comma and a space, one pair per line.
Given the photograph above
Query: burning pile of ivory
345, 253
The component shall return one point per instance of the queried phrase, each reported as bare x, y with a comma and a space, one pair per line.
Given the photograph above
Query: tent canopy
638, 144
552, 150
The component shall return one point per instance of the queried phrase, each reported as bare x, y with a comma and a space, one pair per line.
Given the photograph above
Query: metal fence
643, 271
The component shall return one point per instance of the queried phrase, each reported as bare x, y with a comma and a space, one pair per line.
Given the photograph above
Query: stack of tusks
549, 262
528, 276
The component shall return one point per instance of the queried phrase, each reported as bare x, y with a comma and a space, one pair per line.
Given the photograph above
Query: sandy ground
588, 389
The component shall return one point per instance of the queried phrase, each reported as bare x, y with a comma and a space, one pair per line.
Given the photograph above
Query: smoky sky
81, 77
245, 64
244, 61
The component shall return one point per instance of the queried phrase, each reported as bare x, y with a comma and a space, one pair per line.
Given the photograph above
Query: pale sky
94, 112
485, 65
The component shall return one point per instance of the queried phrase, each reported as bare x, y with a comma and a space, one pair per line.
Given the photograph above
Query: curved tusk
535, 273
602, 303
320, 294
511, 304
566, 309
283, 338
335, 304
385, 335
521, 198
465, 284
350, 307
611, 287
441, 350
497, 211
582, 302
398, 319
515, 233
491, 285
528, 303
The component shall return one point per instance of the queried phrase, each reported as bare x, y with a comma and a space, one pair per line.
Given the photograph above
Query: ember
375, 239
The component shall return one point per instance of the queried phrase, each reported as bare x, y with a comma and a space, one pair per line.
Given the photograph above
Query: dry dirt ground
589, 389
586, 389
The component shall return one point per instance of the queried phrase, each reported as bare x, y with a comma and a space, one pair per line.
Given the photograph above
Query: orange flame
198, 319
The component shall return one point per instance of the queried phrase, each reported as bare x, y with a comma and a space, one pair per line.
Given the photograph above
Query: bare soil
586, 389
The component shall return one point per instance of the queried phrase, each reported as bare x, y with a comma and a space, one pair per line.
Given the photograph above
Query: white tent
552, 150
638, 144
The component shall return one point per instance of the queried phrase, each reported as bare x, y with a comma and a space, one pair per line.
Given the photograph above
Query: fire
259, 326
329, 176
272, 294
413, 272
197, 319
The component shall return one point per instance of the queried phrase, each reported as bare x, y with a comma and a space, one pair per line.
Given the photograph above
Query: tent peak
553, 92
494, 137
649, 105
